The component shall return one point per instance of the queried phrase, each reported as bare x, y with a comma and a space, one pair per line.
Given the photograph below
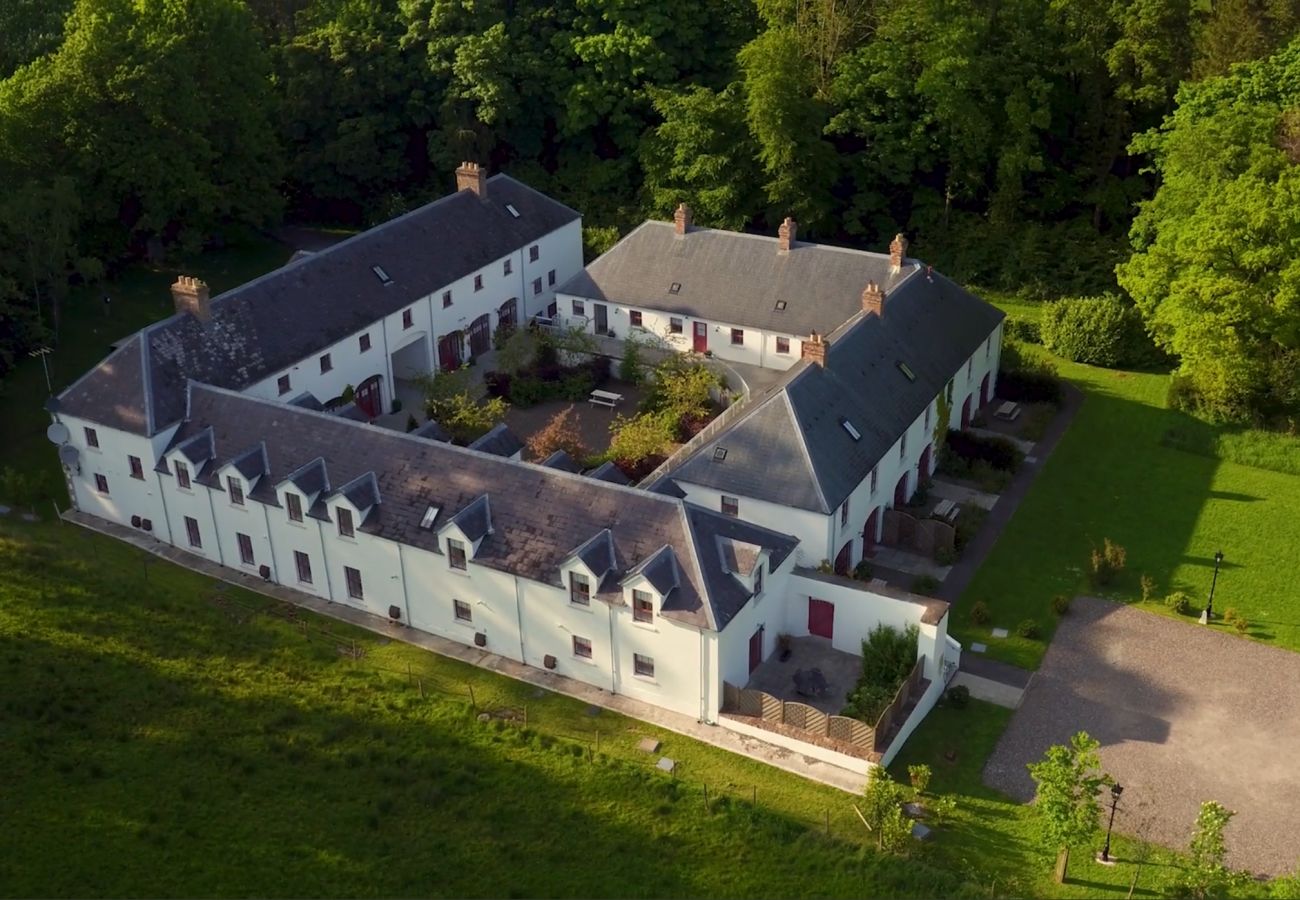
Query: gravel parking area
1184, 714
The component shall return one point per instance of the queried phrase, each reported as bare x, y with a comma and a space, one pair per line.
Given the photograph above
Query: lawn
1112, 477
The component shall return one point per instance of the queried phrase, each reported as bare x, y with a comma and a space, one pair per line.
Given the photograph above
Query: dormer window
456, 554
579, 589
408, 318
236, 491
478, 282
293, 503
345, 523
643, 608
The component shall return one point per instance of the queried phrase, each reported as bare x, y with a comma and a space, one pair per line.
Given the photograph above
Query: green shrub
1028, 628
958, 696
925, 584
979, 613
998, 452
1179, 602
888, 656
1231, 614
1099, 331
1026, 330
631, 369
1061, 604
1148, 586
862, 571
527, 391
1106, 562
919, 775
1242, 625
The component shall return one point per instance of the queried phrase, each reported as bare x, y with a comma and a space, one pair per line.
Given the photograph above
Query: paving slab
1184, 713
999, 632
666, 765
648, 745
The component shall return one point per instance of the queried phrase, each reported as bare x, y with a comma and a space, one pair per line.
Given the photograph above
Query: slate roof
609, 472
311, 477
475, 520
264, 326
598, 553
791, 447
737, 278
660, 569
536, 515
561, 460
362, 491
433, 431
500, 441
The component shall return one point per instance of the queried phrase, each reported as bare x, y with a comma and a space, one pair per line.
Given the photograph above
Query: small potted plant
783, 646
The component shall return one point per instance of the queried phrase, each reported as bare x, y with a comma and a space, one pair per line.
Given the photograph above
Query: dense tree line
1000, 135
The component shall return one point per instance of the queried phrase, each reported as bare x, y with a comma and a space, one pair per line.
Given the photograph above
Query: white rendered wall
287, 536
250, 519
768, 609
198, 502
127, 496
809, 527
433, 586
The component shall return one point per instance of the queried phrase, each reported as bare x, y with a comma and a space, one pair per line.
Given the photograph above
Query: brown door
984, 389
449, 351
900, 492
869, 533
701, 336
821, 618
924, 468
756, 649
369, 398
508, 315
965, 413
480, 335
842, 559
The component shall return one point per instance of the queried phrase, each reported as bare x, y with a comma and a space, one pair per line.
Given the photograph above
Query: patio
841, 671
593, 421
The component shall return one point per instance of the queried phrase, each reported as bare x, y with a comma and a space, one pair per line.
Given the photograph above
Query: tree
1207, 876
643, 437
561, 433
1068, 781
882, 810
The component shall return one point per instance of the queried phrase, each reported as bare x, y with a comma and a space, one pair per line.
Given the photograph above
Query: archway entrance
869, 532
450, 351
900, 492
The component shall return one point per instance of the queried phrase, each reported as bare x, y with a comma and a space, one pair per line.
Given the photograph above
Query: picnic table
946, 510
1008, 411
605, 398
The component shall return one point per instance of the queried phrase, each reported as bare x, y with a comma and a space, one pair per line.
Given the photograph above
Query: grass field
1111, 476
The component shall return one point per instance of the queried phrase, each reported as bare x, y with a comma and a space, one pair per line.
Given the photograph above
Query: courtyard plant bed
888, 656
543, 375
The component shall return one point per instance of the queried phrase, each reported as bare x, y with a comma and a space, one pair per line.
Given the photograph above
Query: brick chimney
470, 175
682, 219
786, 234
897, 251
814, 349
873, 299
192, 296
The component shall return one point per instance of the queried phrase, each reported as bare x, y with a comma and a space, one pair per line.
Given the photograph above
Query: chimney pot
472, 176
191, 295
814, 349
897, 252
682, 219
786, 234
873, 299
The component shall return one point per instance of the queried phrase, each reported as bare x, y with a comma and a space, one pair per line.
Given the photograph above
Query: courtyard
593, 421
1184, 713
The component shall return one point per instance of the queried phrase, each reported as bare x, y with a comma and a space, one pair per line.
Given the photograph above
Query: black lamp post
1209, 605
1115, 791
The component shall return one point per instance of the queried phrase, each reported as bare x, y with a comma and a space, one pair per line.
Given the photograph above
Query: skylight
780, 306
906, 370
381, 274
510, 208
719, 454
429, 515
675, 287
853, 432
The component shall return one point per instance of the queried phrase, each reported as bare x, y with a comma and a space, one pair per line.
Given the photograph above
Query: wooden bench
946, 510
605, 398
1008, 411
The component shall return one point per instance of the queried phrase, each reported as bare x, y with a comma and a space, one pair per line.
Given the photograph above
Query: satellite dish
58, 433
70, 456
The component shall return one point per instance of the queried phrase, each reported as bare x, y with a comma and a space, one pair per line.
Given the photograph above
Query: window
326, 364
643, 665
294, 502
635, 318
850, 428
236, 491
537, 286
383, 276
906, 370
303, 562
550, 277
579, 589
730, 506
579, 309
758, 579
533, 253
283, 384
101, 484
510, 208
345, 523
456, 554
353, 577
364, 342
949, 390
137, 469
553, 310
182, 476
780, 306
408, 318
737, 336
782, 345
875, 475
970, 367
478, 282
192, 531
988, 347
462, 611
581, 647
844, 513
675, 287
426, 521
675, 325
902, 446
446, 299
245, 548
643, 609
507, 267
92, 438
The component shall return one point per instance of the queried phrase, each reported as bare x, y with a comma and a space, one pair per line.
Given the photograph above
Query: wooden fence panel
771, 707
730, 696
803, 716
851, 731
895, 707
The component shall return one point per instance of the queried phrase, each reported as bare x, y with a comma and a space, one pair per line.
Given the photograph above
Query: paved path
1184, 713
958, 493
780, 757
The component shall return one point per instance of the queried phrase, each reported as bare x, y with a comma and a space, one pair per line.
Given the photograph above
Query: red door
900, 492
869, 533
924, 468
480, 335
369, 398
701, 336
449, 351
965, 413
821, 618
984, 389
756, 649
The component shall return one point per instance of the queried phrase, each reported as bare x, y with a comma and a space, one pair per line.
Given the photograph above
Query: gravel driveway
1184, 713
